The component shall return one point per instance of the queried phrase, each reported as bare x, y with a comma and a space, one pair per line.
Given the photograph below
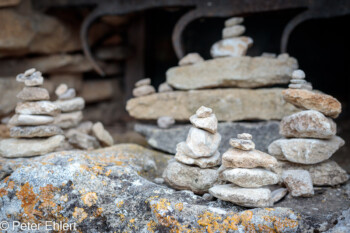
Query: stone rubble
199, 150
143, 87
31, 129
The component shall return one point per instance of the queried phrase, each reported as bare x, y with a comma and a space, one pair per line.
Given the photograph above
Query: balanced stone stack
310, 139
196, 159
248, 171
32, 129
143, 87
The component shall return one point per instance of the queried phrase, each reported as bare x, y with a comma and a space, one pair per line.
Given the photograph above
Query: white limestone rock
245, 136
242, 144
231, 47
102, 135
298, 182
37, 108
35, 79
212, 161
233, 31
82, 141
203, 112
33, 94
71, 105
22, 119
69, 94
61, 89
233, 21
209, 123
143, 82
143, 90
298, 74
165, 122
68, 120
202, 143
165, 87
190, 59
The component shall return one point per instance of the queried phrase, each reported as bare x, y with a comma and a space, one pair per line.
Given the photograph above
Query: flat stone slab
232, 72
228, 104
75, 104
37, 108
264, 133
35, 131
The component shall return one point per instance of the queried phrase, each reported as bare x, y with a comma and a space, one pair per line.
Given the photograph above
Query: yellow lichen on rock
89, 198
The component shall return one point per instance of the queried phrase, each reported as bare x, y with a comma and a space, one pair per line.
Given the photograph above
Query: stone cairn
81, 135
233, 44
310, 138
248, 171
32, 128
200, 150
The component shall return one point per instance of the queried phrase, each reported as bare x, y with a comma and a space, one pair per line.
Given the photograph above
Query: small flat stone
165, 122
190, 59
13, 147
202, 143
164, 87
247, 159
209, 123
308, 124
102, 135
212, 161
83, 141
306, 86
21, 119
62, 88
323, 103
68, 120
143, 90
248, 197
35, 131
298, 182
143, 82
278, 194
298, 74
20, 78
37, 108
71, 105
298, 81
242, 144
268, 55
233, 31
85, 127
245, 136
35, 79
305, 151
29, 72
250, 178
33, 94
69, 94
233, 21
231, 47
203, 112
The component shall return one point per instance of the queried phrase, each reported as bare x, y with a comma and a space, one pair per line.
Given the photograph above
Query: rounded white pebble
298, 74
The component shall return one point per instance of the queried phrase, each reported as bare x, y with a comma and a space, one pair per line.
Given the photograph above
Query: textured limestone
298, 182
308, 124
256, 197
82, 141
190, 59
71, 105
33, 94
250, 178
202, 143
102, 135
203, 112
232, 72
212, 161
21, 119
37, 108
143, 90
143, 82
34, 79
68, 120
228, 104
242, 144
233, 21
165, 122
12, 147
209, 123
232, 47
305, 151
35, 131
323, 103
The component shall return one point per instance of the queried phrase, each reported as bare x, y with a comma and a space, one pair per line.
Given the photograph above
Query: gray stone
69, 94
298, 182
343, 223
214, 160
83, 141
232, 72
21, 119
35, 131
102, 135
159, 180
202, 143
306, 86
33, 94
298, 74
305, 151
37, 108
12, 147
166, 139
68, 120
278, 194
209, 123
165, 122
71, 105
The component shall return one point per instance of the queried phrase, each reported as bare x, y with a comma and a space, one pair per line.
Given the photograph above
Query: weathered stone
298, 182
234, 104
298, 74
209, 123
35, 79
164, 87
202, 143
143, 90
242, 144
68, 120
165, 122
278, 194
324, 173
323, 103
85, 127
69, 94
232, 47
233, 21
297, 81
212, 161
190, 59
308, 124
12, 147
203, 112
102, 135
35, 131
143, 82
61, 89
245, 136
33, 94
8, 91
234, 31
304, 86
21, 119
83, 141
305, 151
167, 139
232, 72
71, 105
248, 197
37, 108
247, 159
184, 177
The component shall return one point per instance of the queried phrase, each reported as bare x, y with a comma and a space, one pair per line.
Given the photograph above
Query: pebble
298, 182
202, 143
233, 31
37, 108
298, 74
71, 105
159, 180
298, 81
212, 161
242, 144
61, 89
209, 123
33, 94
232, 47
83, 141
68, 120
29, 72
143, 82
69, 94
245, 136
35, 131
35, 79
278, 194
203, 112
208, 197
20, 78
21, 119
233, 21
143, 90
165, 122
85, 127
190, 59
102, 135
165, 87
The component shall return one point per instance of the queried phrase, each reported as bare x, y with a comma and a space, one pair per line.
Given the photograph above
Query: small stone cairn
233, 43
309, 135
32, 128
143, 87
248, 171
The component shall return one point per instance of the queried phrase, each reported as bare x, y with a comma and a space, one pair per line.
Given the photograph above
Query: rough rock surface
190, 59
143, 90
209, 123
232, 72
12, 147
305, 150
264, 134
228, 104
212, 161
33, 94
298, 182
102, 135
202, 143
37, 108
323, 103
82, 141
184, 177
242, 144
35, 131
308, 124
71, 105
232, 47
165, 122
68, 120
